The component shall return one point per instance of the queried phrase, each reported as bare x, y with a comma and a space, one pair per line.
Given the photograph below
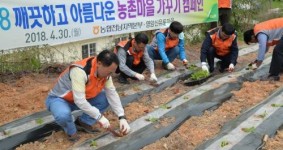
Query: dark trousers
225, 60
224, 17
276, 65
137, 68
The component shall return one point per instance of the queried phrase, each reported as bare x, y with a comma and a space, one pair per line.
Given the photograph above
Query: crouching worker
268, 33
86, 85
167, 44
220, 42
134, 58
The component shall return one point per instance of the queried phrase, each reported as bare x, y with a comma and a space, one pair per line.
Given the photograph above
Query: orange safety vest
94, 84
170, 43
272, 28
127, 46
224, 3
222, 47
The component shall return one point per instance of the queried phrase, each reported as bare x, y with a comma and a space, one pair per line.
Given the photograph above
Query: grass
277, 4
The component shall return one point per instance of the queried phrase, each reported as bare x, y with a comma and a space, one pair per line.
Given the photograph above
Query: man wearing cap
220, 42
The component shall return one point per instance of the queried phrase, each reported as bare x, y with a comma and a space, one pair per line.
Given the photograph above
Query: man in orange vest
224, 12
220, 42
134, 58
268, 33
86, 85
167, 44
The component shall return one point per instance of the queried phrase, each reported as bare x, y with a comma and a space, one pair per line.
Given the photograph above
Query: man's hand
104, 122
185, 62
231, 67
204, 66
170, 66
153, 77
139, 76
124, 126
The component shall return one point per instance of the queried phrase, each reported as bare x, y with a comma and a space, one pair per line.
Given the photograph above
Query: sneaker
85, 127
123, 80
73, 138
270, 78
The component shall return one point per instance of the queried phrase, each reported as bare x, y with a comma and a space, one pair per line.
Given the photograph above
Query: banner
34, 22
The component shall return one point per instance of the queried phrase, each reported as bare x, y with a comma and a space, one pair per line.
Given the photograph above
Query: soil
25, 94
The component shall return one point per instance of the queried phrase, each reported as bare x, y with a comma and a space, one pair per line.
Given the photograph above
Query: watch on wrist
122, 117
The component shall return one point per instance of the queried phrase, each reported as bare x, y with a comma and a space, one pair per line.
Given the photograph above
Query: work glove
204, 66
231, 67
185, 62
124, 126
153, 77
139, 76
170, 66
104, 122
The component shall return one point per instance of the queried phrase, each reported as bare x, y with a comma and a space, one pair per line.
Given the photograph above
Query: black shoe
123, 80
85, 127
270, 78
221, 70
218, 64
73, 138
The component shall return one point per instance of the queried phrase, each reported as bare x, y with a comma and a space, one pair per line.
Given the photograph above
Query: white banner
34, 22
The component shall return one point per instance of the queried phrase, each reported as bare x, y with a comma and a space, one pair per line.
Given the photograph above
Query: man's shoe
123, 80
221, 70
85, 127
270, 78
73, 138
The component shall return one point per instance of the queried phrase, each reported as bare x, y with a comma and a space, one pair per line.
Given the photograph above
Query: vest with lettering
272, 28
127, 46
222, 47
94, 85
170, 43
224, 3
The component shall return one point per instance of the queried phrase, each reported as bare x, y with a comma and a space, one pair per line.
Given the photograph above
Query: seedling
224, 143
186, 97
152, 119
263, 115
192, 67
200, 74
248, 130
93, 144
6, 132
167, 76
277, 105
164, 106
39, 121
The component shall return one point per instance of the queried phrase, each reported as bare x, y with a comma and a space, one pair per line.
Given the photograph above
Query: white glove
153, 77
139, 76
185, 62
204, 66
104, 122
170, 66
231, 67
124, 126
